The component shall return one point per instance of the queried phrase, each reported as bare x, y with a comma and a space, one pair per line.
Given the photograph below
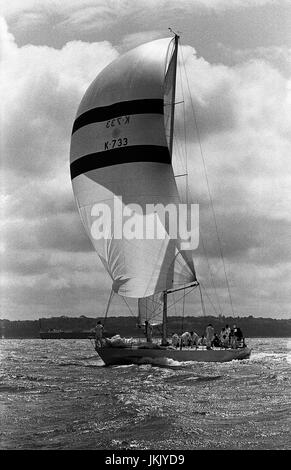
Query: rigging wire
184, 295
184, 134
183, 312
128, 306
175, 303
108, 305
187, 191
202, 302
205, 291
208, 187
210, 272
155, 310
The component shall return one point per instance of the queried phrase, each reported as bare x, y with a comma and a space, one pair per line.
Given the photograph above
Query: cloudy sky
237, 57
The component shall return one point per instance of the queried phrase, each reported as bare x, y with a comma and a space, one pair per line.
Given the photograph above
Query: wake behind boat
125, 176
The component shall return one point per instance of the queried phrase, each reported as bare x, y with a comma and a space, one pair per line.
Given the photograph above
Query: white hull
134, 355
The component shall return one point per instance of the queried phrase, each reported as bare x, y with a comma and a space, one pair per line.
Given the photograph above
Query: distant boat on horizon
66, 334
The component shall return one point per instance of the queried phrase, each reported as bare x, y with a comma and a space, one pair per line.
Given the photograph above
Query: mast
164, 338
175, 56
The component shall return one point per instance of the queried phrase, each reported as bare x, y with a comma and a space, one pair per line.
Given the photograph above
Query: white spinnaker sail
119, 149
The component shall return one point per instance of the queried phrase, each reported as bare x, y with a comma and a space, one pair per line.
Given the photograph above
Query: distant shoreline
127, 326
86, 339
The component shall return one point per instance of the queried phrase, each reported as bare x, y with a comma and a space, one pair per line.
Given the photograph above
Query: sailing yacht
121, 160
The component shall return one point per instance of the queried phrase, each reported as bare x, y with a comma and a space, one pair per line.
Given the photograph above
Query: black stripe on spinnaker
135, 153
124, 108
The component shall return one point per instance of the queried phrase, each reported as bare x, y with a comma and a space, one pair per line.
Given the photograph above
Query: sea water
57, 394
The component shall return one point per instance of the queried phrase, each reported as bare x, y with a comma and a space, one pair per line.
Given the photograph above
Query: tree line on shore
252, 327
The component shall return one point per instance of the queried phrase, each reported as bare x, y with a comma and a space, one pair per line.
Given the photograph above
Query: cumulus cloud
240, 151
243, 116
36, 19
103, 7
278, 56
41, 88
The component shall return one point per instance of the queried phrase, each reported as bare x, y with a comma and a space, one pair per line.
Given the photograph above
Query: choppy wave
58, 395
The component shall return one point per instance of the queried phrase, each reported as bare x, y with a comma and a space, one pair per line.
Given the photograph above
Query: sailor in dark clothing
232, 337
239, 337
216, 341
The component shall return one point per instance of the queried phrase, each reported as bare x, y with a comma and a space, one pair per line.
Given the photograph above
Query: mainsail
120, 153
150, 309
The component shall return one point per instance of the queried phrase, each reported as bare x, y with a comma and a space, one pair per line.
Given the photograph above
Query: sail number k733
122, 120
114, 143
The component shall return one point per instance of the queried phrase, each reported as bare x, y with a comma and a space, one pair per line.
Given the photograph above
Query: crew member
98, 334
209, 335
148, 331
